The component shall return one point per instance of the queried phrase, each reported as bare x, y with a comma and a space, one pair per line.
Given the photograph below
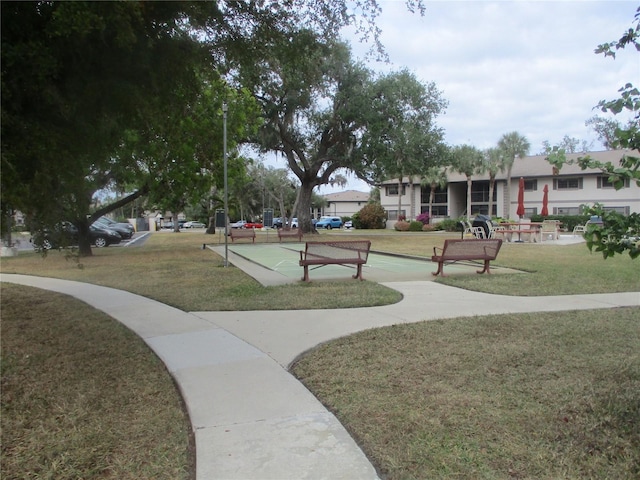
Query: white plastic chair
477, 232
549, 228
580, 229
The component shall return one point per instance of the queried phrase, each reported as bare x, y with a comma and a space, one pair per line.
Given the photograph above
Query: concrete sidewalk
251, 418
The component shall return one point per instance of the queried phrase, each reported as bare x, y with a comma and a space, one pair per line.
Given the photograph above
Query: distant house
568, 190
344, 204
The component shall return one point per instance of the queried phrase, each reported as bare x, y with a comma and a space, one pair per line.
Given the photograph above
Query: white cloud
512, 65
527, 66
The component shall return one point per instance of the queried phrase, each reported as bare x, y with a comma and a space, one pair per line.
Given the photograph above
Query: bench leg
358, 272
440, 270
485, 269
305, 278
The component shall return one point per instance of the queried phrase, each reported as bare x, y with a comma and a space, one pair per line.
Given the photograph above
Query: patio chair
549, 230
580, 229
477, 232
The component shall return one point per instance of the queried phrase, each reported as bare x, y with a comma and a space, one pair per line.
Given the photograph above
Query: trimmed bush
401, 226
415, 226
370, 216
449, 225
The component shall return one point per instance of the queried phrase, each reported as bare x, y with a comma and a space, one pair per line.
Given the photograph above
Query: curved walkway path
251, 418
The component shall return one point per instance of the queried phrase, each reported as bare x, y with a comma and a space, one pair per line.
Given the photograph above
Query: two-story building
569, 188
344, 204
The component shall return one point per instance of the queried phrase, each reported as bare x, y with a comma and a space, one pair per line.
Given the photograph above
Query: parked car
277, 222
169, 225
65, 234
294, 223
253, 225
348, 224
193, 224
238, 224
329, 222
124, 229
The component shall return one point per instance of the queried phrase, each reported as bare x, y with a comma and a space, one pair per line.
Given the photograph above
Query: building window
480, 192
567, 183
393, 214
529, 212
392, 190
530, 185
439, 196
603, 182
622, 210
567, 210
436, 210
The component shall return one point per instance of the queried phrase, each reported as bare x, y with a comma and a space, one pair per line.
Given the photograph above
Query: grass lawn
553, 395
84, 397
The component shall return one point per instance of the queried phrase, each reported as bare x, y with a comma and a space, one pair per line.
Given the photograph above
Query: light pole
226, 190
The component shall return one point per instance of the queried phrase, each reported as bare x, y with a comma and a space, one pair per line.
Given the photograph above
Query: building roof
347, 196
536, 166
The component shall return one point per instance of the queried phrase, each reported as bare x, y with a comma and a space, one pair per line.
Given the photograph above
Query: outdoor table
517, 227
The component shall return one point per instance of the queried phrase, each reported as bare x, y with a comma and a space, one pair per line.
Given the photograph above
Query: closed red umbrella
545, 201
520, 210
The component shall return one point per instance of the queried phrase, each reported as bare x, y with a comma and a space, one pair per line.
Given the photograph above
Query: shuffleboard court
284, 258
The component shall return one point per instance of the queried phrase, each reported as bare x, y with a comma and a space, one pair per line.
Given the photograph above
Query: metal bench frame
238, 233
472, 249
320, 254
289, 233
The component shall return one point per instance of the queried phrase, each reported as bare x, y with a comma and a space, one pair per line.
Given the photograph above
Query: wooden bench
239, 233
289, 233
352, 252
473, 249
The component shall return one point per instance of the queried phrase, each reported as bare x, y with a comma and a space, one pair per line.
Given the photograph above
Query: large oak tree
76, 76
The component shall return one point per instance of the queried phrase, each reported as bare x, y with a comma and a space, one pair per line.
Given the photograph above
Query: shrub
401, 226
423, 218
430, 228
370, 216
415, 226
402, 218
449, 225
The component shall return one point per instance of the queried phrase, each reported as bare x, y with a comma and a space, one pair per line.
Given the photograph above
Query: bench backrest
242, 232
472, 249
339, 250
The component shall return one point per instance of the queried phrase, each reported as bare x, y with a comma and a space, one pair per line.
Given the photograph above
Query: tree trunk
507, 195
411, 200
84, 240
432, 195
492, 186
469, 182
399, 198
304, 207
211, 228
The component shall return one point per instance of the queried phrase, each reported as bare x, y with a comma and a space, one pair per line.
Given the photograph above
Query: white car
238, 224
192, 224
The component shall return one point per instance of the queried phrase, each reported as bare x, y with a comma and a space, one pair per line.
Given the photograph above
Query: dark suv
65, 234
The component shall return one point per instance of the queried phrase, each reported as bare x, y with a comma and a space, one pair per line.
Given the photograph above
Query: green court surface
284, 258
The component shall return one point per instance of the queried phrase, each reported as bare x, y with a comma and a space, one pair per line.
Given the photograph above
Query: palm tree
434, 177
493, 164
467, 160
511, 145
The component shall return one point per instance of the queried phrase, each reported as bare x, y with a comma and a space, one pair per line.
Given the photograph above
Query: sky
503, 66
